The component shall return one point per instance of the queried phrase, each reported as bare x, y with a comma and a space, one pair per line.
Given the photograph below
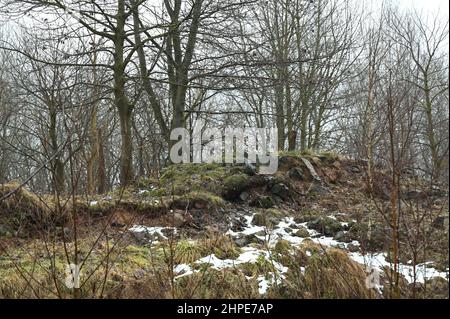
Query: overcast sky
439, 7
428, 9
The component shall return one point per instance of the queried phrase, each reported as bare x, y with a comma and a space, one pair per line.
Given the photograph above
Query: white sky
432, 7
427, 9
428, 5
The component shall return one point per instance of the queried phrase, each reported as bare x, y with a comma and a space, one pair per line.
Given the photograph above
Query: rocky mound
312, 230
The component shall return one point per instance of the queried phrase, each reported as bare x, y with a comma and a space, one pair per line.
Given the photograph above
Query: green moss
146, 182
317, 157
121, 193
296, 154
101, 206
267, 217
328, 156
235, 181
234, 185
325, 225
181, 178
210, 199
272, 212
157, 192
138, 256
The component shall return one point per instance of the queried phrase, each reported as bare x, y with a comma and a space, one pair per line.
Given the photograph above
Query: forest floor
312, 230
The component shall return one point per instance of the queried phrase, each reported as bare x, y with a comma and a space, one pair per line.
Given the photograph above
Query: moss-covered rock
318, 190
281, 190
222, 246
325, 225
234, 185
197, 200
296, 173
179, 179
276, 213
253, 239
302, 232
343, 236
260, 219
373, 239
307, 215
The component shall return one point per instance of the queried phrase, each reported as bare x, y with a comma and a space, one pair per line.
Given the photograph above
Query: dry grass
218, 284
22, 200
24, 211
334, 275
318, 273
222, 246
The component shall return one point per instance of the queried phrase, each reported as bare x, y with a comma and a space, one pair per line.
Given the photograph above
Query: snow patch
150, 230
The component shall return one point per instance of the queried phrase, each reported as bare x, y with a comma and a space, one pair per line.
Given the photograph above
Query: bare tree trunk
394, 191
436, 162
93, 156
92, 162
279, 108
146, 83
101, 172
57, 163
178, 64
369, 123
123, 105
126, 150
304, 111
